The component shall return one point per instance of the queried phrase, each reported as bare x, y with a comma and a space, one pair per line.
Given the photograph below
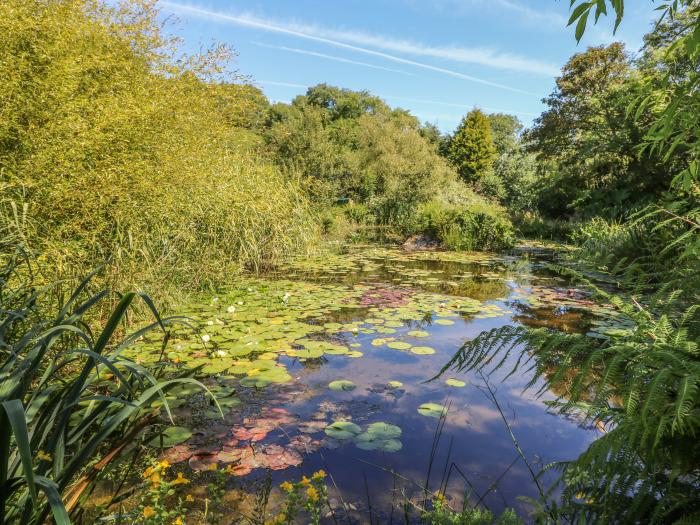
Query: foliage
308, 494
114, 146
472, 150
441, 514
71, 403
155, 506
643, 386
464, 227
351, 147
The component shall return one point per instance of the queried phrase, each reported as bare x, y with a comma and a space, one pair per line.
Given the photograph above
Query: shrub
118, 148
465, 227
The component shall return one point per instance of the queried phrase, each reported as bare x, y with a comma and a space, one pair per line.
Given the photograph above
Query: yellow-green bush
114, 147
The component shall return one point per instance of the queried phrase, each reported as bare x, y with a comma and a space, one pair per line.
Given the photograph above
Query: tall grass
114, 146
70, 404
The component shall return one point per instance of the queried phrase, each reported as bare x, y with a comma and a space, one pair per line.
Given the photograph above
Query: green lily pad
341, 385
384, 430
342, 430
432, 410
422, 350
444, 322
455, 382
418, 333
394, 384
171, 436
368, 441
399, 345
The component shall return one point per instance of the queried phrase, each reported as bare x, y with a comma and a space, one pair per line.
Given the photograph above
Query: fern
643, 387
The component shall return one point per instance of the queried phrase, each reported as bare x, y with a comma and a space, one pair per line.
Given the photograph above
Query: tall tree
472, 150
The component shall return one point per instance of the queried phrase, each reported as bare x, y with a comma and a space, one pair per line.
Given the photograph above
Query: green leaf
15, 414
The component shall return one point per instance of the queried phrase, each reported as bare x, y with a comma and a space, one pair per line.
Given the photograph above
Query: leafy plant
71, 404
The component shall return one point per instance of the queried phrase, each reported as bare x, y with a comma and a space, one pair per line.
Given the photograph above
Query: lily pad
172, 436
444, 322
432, 410
418, 333
399, 345
341, 385
394, 384
455, 382
342, 430
422, 350
384, 430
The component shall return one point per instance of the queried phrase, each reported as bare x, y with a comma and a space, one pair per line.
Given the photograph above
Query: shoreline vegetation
124, 160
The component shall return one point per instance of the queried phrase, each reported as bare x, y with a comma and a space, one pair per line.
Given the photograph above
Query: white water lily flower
250, 289
231, 309
206, 338
286, 297
221, 353
240, 303
210, 323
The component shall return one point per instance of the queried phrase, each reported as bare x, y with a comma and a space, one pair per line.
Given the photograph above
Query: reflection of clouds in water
476, 418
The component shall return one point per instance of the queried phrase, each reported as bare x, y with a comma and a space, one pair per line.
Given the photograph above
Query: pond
328, 365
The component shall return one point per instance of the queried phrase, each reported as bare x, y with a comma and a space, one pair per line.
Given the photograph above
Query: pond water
376, 324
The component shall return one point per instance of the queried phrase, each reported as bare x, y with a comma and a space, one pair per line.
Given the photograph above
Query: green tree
472, 150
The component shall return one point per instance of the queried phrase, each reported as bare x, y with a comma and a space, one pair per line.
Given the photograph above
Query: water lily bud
206, 338
231, 309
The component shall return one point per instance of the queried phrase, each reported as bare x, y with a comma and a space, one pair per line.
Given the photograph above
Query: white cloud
339, 39
331, 57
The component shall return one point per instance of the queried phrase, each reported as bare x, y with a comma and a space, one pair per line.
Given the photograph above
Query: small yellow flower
163, 465
287, 486
305, 481
212, 467
189, 498
319, 475
147, 473
180, 479
148, 512
178, 521
43, 456
312, 494
155, 479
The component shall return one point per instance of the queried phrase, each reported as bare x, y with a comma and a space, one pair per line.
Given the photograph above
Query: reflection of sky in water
479, 445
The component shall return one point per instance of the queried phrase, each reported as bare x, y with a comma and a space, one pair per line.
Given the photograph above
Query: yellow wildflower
178, 521
147, 473
163, 465
43, 456
189, 498
305, 481
212, 467
312, 494
319, 475
155, 479
148, 512
180, 479
287, 486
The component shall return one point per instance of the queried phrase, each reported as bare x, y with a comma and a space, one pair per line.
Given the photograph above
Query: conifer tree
472, 150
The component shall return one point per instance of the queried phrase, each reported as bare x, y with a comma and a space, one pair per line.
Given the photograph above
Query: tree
472, 150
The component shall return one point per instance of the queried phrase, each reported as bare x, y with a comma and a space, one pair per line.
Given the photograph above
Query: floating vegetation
422, 350
432, 410
341, 385
455, 382
399, 345
343, 430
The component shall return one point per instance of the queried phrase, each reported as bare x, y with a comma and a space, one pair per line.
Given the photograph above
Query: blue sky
437, 58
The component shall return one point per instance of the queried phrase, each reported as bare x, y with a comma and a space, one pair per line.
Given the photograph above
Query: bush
116, 149
464, 227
